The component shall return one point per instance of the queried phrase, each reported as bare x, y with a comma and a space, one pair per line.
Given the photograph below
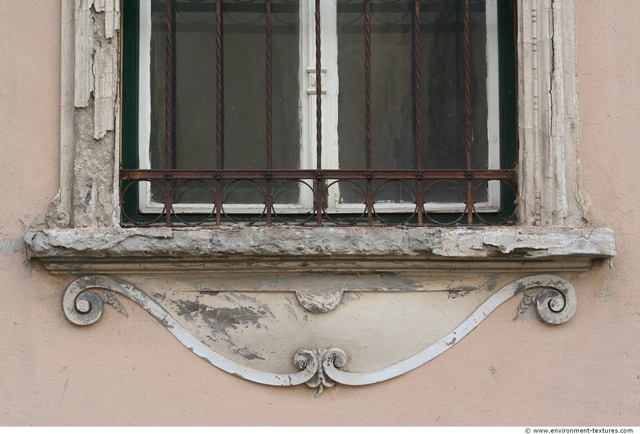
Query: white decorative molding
553, 297
84, 307
90, 112
555, 302
547, 115
57, 217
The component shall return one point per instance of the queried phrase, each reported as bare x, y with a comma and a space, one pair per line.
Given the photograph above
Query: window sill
303, 250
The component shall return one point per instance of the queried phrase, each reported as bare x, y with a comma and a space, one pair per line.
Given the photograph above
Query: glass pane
285, 65
442, 84
443, 94
194, 82
244, 87
391, 84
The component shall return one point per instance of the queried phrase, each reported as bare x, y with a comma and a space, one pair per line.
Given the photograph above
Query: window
98, 98
86, 234
410, 122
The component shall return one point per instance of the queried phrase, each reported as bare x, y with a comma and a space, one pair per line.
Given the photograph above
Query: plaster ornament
553, 298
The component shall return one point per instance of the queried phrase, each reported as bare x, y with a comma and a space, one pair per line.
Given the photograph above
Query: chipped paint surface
90, 109
133, 371
263, 328
320, 300
324, 282
240, 335
343, 250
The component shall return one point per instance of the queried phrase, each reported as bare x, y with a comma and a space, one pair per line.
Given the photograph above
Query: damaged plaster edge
256, 243
532, 242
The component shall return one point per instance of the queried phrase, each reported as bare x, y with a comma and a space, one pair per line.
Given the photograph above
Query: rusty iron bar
219, 124
169, 114
367, 117
310, 174
319, 181
417, 103
269, 196
468, 108
168, 85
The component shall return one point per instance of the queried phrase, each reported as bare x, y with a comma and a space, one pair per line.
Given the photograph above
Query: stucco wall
132, 371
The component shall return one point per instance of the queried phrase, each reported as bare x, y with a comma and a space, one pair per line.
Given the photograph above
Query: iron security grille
169, 184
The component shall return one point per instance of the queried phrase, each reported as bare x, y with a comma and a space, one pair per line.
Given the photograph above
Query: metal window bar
169, 113
269, 193
418, 105
367, 110
422, 178
219, 118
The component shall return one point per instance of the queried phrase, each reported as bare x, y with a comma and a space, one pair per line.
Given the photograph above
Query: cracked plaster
251, 244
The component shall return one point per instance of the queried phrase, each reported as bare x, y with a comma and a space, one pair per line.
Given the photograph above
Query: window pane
194, 83
244, 88
391, 83
442, 84
245, 85
443, 94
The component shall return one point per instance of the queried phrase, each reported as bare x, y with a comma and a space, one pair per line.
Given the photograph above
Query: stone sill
325, 249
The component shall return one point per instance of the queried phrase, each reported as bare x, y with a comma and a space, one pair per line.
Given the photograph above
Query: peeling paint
339, 246
319, 356
220, 318
248, 354
98, 208
320, 300
460, 291
493, 370
490, 284
605, 293
95, 92
10, 246
351, 297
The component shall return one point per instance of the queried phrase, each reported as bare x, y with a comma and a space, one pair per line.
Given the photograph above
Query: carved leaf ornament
553, 298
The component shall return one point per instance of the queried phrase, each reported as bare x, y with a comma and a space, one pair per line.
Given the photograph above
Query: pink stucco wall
131, 371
